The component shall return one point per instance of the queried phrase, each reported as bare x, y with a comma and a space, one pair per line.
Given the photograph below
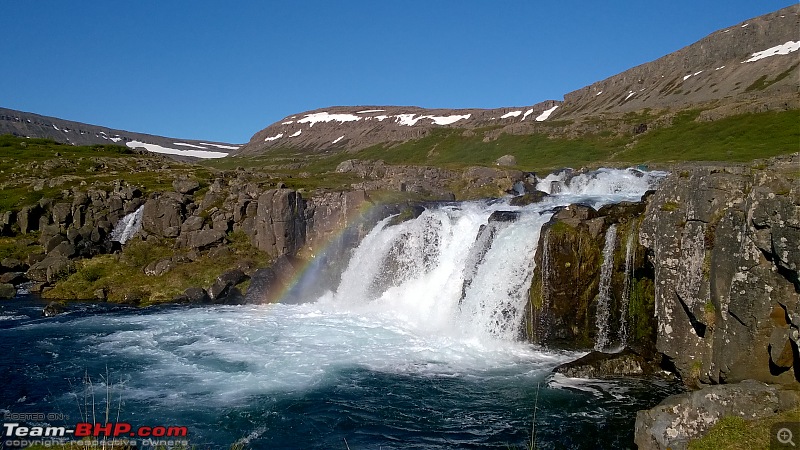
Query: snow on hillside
783, 49
155, 148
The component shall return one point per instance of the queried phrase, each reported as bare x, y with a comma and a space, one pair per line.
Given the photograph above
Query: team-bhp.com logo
154, 435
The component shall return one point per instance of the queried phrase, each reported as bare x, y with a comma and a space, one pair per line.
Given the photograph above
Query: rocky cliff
725, 243
748, 67
352, 128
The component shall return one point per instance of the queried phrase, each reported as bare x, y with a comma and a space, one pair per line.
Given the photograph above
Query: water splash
449, 271
454, 271
128, 226
603, 298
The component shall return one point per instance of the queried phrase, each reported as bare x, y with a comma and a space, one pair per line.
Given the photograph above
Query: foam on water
423, 300
224, 355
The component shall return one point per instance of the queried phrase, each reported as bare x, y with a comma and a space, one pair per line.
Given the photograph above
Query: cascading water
449, 271
415, 348
454, 271
128, 226
541, 326
603, 298
630, 254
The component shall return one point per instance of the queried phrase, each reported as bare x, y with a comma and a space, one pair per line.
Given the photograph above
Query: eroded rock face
607, 365
690, 415
562, 312
279, 224
163, 215
725, 242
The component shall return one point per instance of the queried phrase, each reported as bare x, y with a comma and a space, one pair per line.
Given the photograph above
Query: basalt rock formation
725, 242
565, 292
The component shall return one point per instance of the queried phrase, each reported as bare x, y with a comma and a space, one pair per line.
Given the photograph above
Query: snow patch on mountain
155, 148
327, 117
546, 114
783, 49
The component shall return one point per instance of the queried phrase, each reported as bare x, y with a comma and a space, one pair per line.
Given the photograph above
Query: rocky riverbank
699, 278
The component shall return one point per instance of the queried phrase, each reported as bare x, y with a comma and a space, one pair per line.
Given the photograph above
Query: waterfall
604, 295
541, 326
128, 226
448, 271
546, 266
630, 253
460, 272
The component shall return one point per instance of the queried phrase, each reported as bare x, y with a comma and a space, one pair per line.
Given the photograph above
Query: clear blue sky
215, 70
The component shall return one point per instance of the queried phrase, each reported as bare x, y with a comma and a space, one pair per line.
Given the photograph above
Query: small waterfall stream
457, 270
630, 254
603, 298
128, 226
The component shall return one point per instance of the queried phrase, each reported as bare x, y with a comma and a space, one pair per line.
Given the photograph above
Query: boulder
528, 198
193, 223
504, 216
607, 365
162, 213
52, 242
7, 291
7, 220
224, 283
158, 268
185, 186
204, 238
28, 218
54, 309
193, 295
62, 213
506, 160
49, 269
12, 278
682, 417
11, 264
64, 249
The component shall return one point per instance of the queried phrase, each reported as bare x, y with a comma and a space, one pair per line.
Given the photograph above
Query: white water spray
128, 226
453, 272
603, 298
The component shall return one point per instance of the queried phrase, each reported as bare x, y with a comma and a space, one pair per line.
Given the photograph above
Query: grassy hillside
31, 169
735, 139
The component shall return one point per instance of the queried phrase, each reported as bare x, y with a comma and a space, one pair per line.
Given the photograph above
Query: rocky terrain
748, 67
702, 277
709, 281
24, 124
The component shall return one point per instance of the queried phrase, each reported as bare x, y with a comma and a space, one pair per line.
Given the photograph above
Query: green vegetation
670, 206
17, 248
121, 275
32, 169
641, 310
734, 433
764, 82
736, 138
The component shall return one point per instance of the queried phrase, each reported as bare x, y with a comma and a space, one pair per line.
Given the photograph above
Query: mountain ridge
27, 124
748, 67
